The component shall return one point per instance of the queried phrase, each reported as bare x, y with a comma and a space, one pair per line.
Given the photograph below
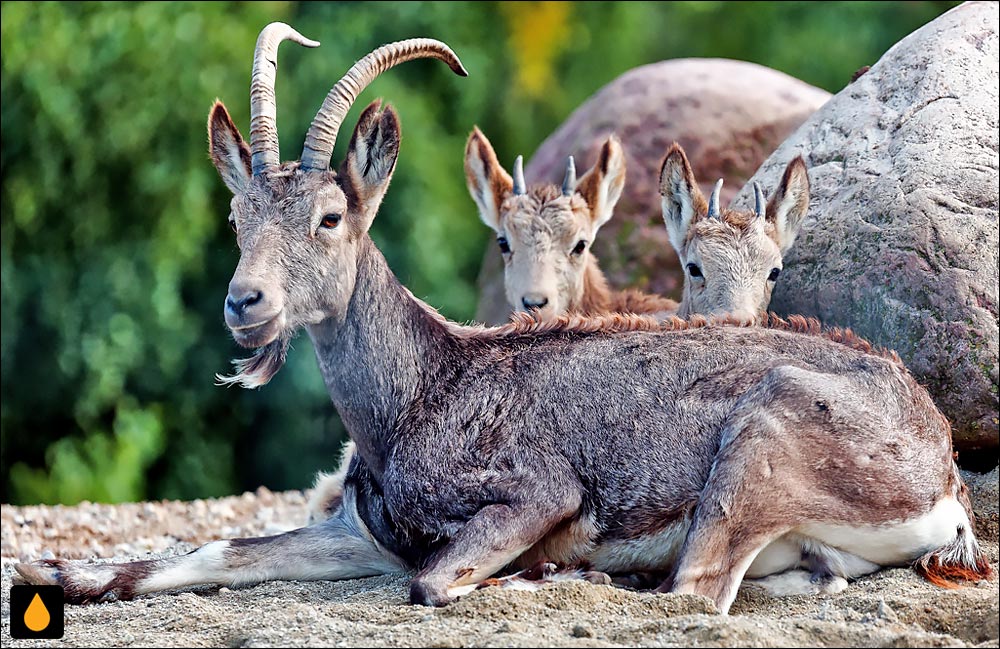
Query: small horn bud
569, 181
713, 202
519, 176
760, 205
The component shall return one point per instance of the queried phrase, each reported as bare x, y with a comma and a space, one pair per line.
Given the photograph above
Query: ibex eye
581, 245
694, 270
504, 246
773, 277
232, 224
330, 221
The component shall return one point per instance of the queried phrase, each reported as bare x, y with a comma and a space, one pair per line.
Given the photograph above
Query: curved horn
519, 176
263, 108
569, 181
760, 205
713, 203
322, 135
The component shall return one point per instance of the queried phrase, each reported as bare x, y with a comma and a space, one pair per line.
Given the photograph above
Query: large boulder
728, 115
901, 239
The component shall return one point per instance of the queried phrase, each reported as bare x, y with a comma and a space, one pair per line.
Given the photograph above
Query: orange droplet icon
37, 616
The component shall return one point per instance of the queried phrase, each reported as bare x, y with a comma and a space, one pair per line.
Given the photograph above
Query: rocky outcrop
728, 115
901, 241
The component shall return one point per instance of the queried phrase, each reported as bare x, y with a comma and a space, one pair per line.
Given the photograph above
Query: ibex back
712, 452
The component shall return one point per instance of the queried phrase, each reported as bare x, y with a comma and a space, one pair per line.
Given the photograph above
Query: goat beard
256, 371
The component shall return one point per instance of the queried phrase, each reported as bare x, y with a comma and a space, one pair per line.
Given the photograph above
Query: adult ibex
715, 452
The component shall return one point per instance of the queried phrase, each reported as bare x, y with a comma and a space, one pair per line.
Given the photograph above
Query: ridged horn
713, 202
518, 175
569, 180
322, 135
760, 205
263, 107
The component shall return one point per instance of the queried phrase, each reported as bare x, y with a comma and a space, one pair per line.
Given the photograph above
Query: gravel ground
891, 608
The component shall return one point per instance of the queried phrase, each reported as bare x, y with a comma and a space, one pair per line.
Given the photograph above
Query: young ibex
715, 452
545, 232
732, 257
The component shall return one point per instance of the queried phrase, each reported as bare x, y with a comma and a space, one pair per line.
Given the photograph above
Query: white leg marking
459, 591
799, 582
778, 556
202, 566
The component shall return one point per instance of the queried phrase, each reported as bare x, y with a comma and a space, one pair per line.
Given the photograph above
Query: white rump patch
895, 544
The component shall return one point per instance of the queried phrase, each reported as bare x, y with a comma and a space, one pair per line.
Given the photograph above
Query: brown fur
526, 324
500, 182
945, 573
599, 298
589, 185
220, 124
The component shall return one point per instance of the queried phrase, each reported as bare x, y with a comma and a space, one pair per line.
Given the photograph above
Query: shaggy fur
706, 451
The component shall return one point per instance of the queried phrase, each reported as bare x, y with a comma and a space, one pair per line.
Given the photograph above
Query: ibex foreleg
338, 548
490, 540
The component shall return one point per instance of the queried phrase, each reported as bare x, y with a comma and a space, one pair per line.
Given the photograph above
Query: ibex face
297, 229
732, 258
545, 232
298, 224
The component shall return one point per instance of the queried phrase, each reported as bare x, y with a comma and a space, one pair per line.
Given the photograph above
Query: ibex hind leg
328, 489
338, 548
743, 509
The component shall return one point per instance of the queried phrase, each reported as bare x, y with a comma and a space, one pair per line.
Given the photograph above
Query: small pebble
582, 631
885, 612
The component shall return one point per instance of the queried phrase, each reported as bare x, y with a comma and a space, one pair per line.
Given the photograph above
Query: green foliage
115, 248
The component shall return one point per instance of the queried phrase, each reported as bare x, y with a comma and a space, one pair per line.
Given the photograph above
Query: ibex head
731, 258
544, 232
298, 223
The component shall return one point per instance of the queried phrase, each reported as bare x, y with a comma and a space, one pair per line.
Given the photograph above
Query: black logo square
36, 612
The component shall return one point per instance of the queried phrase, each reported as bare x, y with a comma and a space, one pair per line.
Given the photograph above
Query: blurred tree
114, 248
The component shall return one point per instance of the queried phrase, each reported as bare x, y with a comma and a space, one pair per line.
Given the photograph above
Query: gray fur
681, 447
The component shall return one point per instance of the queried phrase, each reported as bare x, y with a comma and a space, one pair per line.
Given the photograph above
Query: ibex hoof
424, 594
37, 573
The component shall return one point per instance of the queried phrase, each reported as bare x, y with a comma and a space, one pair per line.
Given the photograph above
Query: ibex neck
684, 308
595, 298
374, 360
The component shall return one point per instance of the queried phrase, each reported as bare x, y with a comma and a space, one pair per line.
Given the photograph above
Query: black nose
534, 302
239, 303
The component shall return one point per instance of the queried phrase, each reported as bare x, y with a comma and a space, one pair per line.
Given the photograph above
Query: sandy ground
891, 608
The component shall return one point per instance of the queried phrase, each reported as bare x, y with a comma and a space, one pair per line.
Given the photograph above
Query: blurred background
116, 252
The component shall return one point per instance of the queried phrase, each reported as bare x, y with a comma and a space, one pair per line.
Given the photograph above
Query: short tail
960, 560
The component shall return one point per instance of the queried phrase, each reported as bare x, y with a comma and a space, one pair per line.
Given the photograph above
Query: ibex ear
230, 154
371, 159
602, 186
683, 203
488, 182
788, 206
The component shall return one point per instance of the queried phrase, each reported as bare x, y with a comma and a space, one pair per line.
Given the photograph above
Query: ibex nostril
534, 302
239, 304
